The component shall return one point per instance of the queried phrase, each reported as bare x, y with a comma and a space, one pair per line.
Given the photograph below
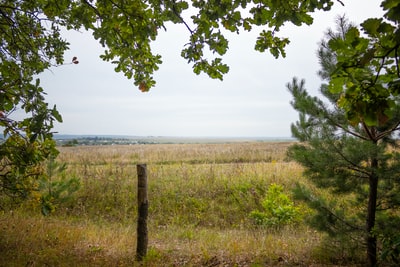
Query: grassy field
200, 198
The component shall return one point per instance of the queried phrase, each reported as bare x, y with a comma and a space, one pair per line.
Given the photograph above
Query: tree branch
312, 198
180, 17
352, 166
397, 61
340, 2
387, 132
333, 122
95, 10
369, 133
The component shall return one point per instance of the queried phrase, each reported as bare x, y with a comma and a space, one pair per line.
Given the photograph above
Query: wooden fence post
143, 206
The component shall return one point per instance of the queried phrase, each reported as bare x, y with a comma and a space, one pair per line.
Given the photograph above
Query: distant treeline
76, 140
95, 141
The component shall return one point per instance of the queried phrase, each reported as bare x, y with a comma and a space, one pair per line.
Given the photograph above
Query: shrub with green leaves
55, 187
278, 209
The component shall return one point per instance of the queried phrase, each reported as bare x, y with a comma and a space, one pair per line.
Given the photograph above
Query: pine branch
327, 210
353, 166
369, 133
340, 126
388, 132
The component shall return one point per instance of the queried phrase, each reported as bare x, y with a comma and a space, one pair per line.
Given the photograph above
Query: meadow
200, 199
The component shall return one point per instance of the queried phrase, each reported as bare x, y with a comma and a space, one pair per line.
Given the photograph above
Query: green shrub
55, 187
278, 209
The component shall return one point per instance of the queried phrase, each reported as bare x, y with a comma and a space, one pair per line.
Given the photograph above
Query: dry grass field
200, 199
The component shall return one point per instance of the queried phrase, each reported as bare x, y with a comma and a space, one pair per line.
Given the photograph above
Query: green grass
200, 198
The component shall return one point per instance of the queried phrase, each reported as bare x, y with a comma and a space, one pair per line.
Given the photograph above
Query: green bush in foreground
278, 209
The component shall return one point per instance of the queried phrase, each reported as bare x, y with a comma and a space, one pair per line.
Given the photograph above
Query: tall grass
200, 197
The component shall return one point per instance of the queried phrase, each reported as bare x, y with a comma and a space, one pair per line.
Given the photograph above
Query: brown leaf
143, 87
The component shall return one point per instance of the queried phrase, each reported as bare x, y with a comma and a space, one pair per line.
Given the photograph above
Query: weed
278, 209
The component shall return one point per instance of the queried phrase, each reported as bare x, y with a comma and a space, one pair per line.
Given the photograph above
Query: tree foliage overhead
349, 139
127, 28
368, 68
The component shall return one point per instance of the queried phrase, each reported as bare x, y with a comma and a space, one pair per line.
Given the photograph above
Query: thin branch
387, 132
354, 166
180, 17
361, 171
340, 2
369, 133
95, 10
326, 209
379, 70
333, 122
397, 61
348, 131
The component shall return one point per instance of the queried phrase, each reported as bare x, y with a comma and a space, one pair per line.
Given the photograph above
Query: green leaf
371, 118
352, 35
371, 26
388, 4
56, 114
337, 85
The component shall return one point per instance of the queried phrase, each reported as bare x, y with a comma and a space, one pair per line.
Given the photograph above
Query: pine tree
352, 157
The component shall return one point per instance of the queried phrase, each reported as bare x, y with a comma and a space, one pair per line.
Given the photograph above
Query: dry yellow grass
41, 241
169, 153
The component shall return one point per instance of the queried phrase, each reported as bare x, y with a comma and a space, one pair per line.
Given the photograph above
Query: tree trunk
372, 199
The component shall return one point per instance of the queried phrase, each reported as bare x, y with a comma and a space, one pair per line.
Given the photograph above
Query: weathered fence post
143, 206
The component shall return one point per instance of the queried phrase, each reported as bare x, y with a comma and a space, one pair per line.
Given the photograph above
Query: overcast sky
251, 101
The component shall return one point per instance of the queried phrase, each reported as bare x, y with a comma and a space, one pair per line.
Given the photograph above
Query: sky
251, 101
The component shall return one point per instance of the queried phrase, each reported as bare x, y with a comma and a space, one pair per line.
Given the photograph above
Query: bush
53, 192
278, 209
